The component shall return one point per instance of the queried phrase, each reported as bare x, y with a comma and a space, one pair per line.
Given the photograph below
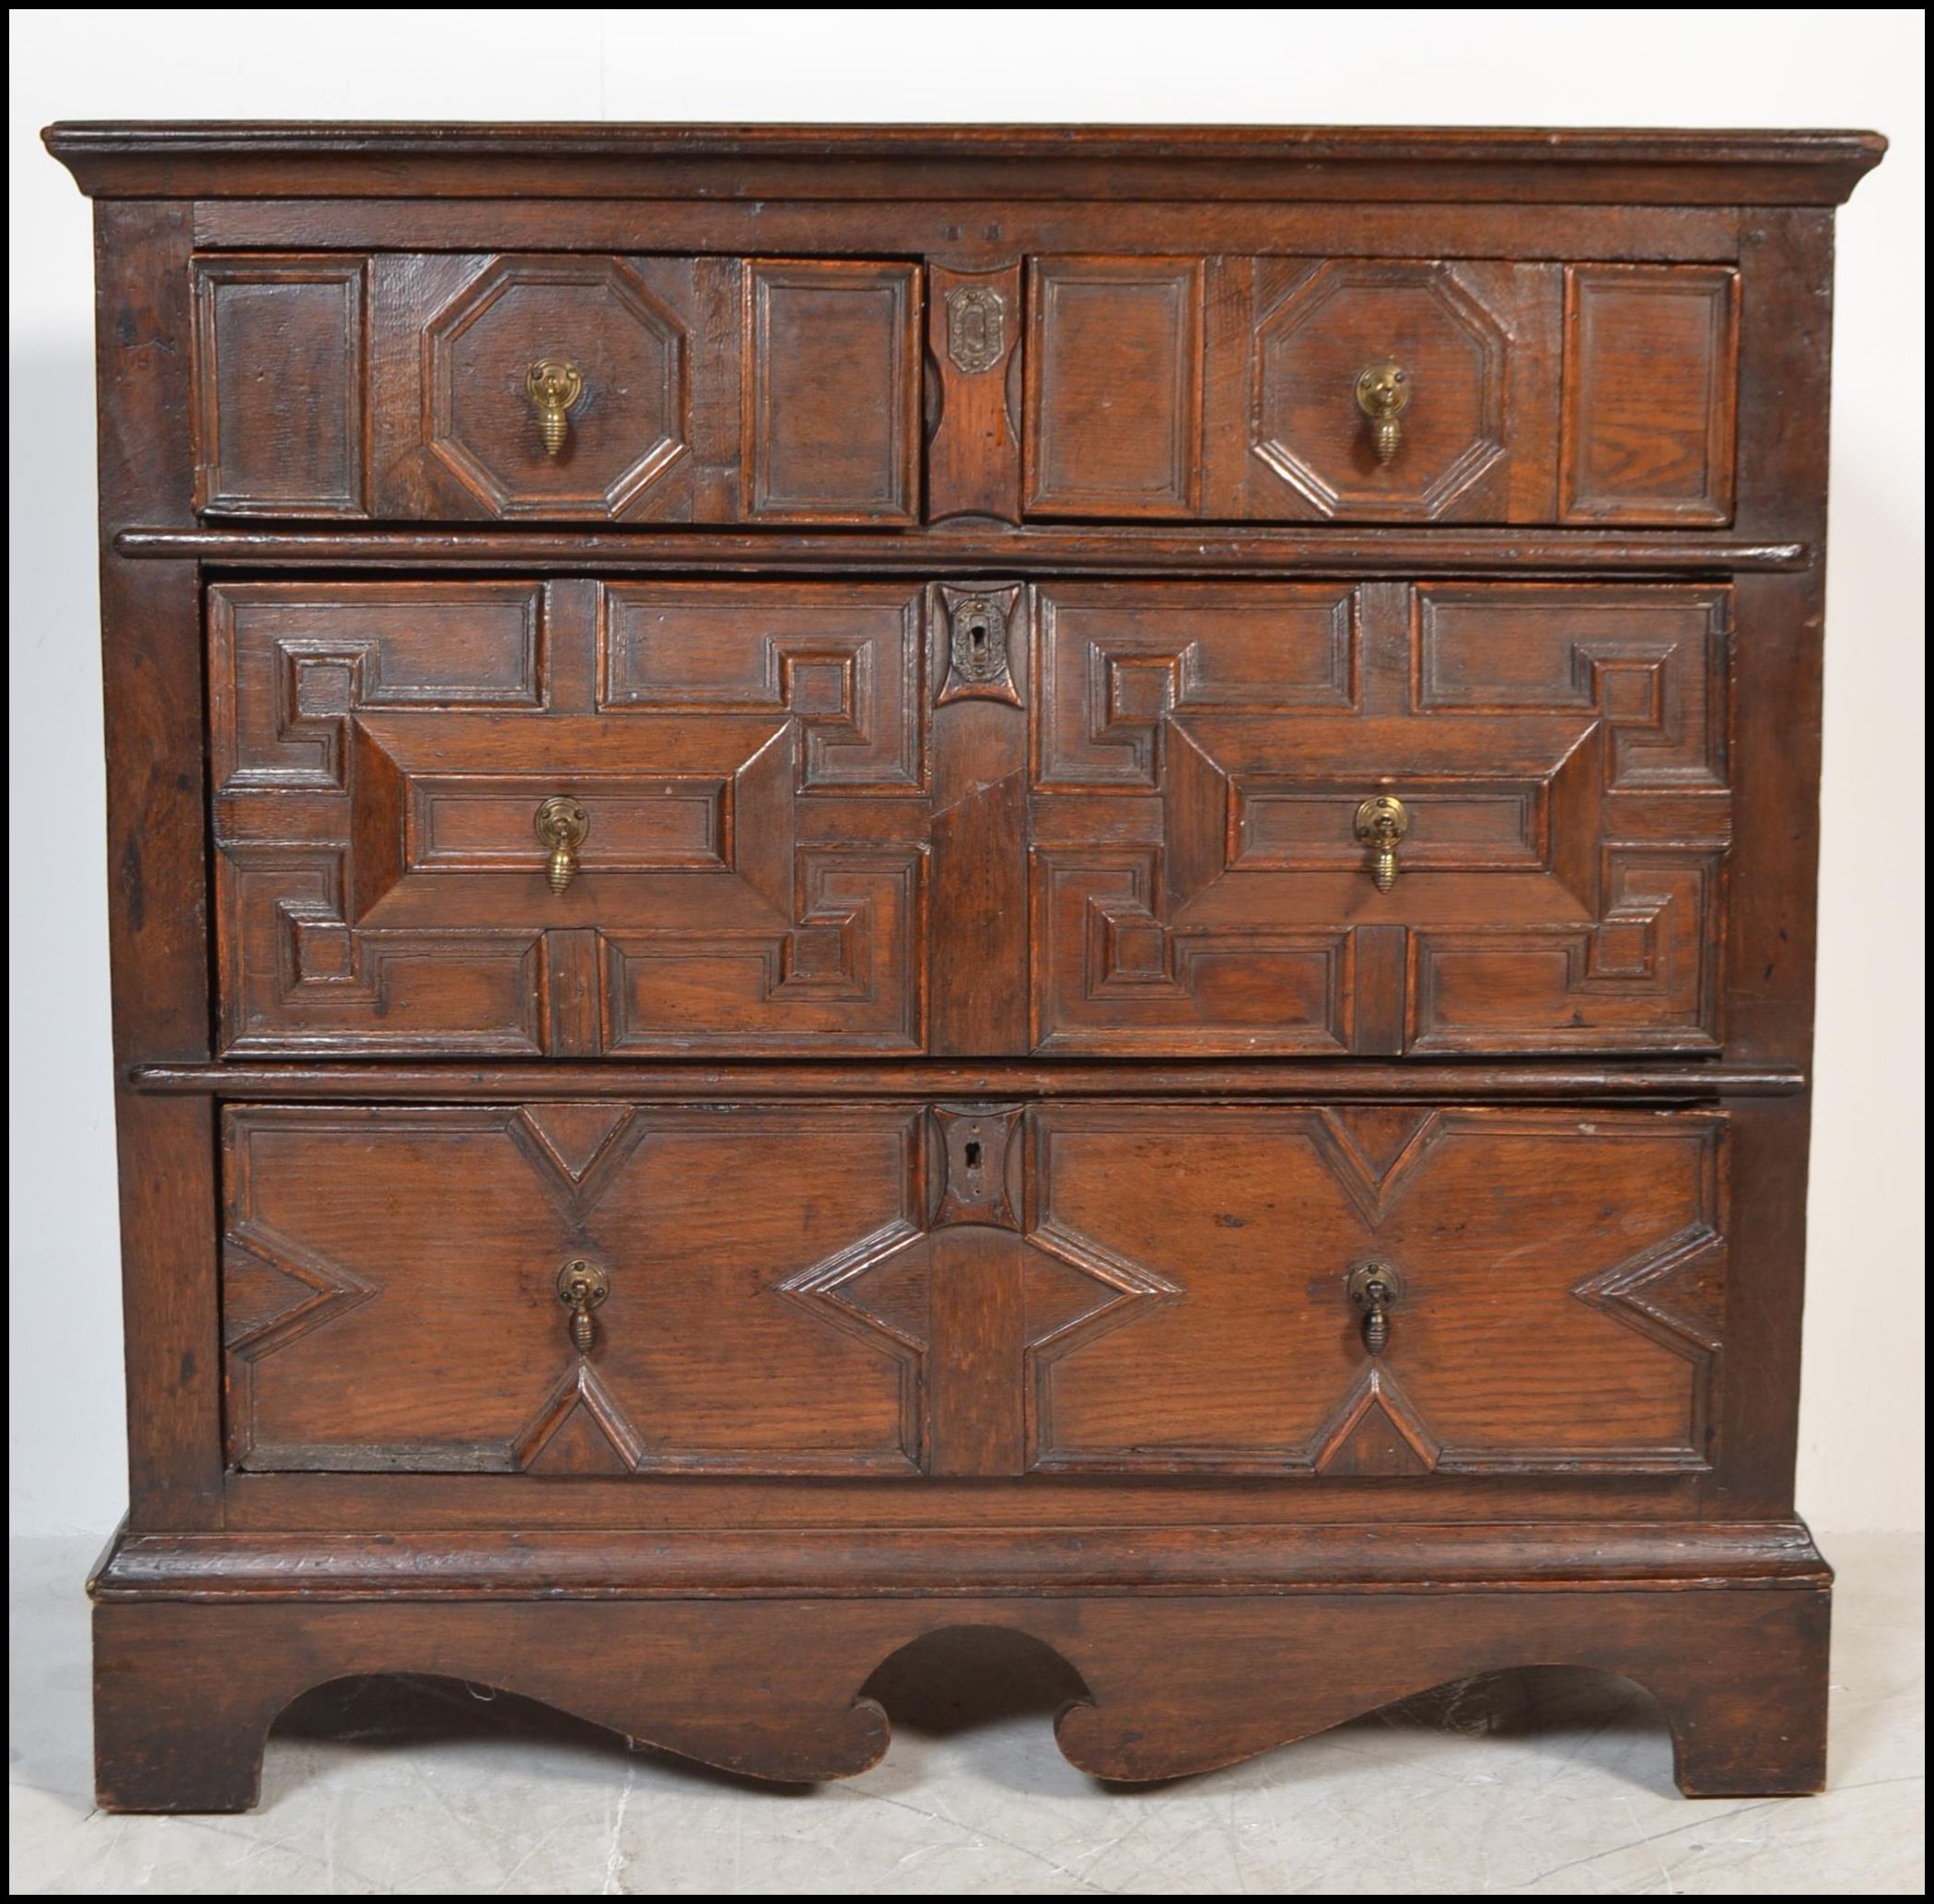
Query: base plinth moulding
201, 1641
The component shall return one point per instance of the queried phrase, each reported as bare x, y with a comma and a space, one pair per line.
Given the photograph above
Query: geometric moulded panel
391, 1290
1559, 1292
384, 750
627, 424
1558, 752
1310, 350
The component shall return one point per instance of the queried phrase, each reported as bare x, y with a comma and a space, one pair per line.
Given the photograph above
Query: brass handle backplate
1381, 822
561, 824
554, 387
1382, 394
582, 1286
1373, 1287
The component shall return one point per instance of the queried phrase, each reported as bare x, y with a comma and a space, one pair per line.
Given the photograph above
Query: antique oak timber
870, 880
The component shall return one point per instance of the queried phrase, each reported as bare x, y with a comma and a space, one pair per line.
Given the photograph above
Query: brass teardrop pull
554, 386
561, 824
1374, 1287
582, 1286
1382, 394
1381, 822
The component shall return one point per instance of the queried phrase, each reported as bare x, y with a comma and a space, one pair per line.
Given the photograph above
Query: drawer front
972, 1288
744, 787
391, 1291
1206, 877
1554, 1290
558, 387
1380, 389
743, 772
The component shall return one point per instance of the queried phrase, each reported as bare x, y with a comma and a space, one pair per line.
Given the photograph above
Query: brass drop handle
1382, 394
561, 824
581, 1288
554, 387
1374, 1287
1381, 822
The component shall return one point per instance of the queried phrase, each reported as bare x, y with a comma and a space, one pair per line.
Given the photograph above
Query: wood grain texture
874, 1564
1113, 387
711, 388
978, 921
1650, 387
973, 334
280, 387
1782, 476
766, 1313
1468, 341
151, 648
465, 1503
977, 233
157, 879
967, 607
701, 162
1263, 354
1200, 755
977, 1403
772, 1689
454, 340
1778, 719
380, 753
1256, 1078
833, 391
1037, 550
701, 1362
1757, 1393
169, 1252
1560, 1288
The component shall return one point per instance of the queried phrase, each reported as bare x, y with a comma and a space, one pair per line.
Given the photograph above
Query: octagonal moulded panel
1310, 350
624, 430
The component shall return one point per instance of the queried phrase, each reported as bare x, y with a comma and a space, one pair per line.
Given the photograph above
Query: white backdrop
1861, 1435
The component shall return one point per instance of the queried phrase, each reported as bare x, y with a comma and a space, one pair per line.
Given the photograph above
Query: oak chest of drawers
866, 881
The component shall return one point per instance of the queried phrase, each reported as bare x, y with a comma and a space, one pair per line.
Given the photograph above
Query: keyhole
972, 1156
977, 638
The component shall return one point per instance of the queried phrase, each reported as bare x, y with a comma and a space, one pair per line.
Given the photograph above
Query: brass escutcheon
1383, 392
554, 386
978, 639
976, 328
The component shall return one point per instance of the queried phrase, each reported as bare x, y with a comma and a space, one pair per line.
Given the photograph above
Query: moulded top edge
226, 159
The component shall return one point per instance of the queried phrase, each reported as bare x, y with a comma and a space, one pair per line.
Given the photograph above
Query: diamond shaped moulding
624, 432
1309, 351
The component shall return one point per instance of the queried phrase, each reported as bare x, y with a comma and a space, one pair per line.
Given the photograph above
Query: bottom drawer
398, 1284
1552, 1285
587, 1289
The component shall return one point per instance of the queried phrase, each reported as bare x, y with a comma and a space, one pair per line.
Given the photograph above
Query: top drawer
1380, 389
564, 386
591, 388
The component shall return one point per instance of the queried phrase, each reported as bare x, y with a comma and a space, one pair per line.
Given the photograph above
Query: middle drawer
1172, 819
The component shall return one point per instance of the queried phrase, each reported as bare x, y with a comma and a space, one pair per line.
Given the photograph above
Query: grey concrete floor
1546, 1782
